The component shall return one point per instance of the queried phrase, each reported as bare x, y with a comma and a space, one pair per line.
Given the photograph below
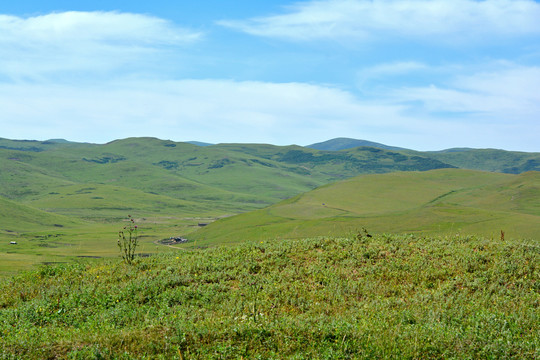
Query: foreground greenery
322, 298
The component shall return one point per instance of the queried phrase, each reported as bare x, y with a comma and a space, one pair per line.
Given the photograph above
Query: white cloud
206, 110
278, 113
437, 20
81, 41
115, 48
390, 70
504, 95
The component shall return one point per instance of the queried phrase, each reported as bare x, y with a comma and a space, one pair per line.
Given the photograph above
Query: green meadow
437, 202
63, 201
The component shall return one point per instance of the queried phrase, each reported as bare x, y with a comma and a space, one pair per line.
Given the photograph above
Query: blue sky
421, 74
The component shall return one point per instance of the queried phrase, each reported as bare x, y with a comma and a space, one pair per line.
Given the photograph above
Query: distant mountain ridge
249, 175
348, 143
199, 143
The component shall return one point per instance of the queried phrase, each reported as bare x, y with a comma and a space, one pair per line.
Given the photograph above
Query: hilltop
348, 143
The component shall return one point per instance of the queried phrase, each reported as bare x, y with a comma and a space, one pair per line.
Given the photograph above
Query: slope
137, 164
233, 177
335, 165
15, 218
510, 162
16, 222
439, 201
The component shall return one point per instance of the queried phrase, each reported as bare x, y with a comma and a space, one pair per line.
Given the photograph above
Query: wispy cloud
82, 41
510, 94
98, 76
390, 70
279, 113
208, 110
435, 20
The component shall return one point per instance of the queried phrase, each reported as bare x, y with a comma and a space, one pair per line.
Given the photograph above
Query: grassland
322, 298
446, 201
61, 200
317, 275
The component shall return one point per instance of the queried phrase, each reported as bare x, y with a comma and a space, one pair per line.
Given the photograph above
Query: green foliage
128, 241
387, 296
107, 159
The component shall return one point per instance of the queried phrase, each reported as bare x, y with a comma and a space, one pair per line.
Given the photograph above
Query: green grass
322, 298
444, 201
15, 217
87, 240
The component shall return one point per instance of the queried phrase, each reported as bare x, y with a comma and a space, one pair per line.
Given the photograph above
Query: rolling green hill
180, 171
440, 201
15, 218
171, 187
510, 162
232, 177
31, 230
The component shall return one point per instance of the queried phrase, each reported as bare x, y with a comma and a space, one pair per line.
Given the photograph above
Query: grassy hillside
510, 162
15, 217
147, 176
440, 201
385, 297
171, 187
229, 180
333, 165
16, 220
